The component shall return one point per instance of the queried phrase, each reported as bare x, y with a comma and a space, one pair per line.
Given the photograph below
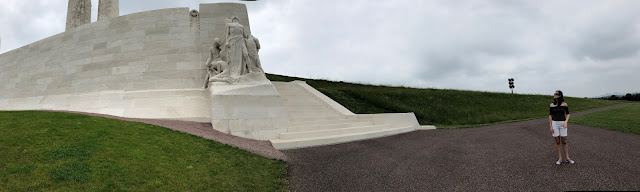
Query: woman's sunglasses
558, 94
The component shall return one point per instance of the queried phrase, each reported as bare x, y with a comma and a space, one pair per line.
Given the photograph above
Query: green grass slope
441, 107
625, 119
53, 151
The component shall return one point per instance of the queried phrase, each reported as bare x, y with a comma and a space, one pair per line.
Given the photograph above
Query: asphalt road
516, 156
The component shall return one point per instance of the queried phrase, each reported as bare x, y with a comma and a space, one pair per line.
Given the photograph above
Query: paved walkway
516, 156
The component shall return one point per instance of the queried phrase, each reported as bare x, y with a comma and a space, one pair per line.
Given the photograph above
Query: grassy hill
441, 107
624, 119
53, 151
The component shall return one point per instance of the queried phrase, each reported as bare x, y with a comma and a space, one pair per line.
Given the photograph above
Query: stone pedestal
250, 109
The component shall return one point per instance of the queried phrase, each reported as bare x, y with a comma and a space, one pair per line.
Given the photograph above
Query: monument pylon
108, 9
78, 13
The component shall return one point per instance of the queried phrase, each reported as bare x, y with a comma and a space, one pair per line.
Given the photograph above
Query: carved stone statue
217, 69
214, 57
253, 46
237, 60
237, 54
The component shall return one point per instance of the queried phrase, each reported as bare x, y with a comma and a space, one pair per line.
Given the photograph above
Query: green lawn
54, 151
625, 119
441, 107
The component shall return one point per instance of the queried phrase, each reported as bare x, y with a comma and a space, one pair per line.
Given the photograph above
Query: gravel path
516, 156
205, 130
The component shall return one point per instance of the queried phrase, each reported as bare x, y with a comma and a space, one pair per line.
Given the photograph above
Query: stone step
293, 93
301, 111
280, 83
322, 122
330, 126
300, 99
308, 108
284, 85
311, 115
315, 118
290, 89
282, 144
331, 132
305, 107
302, 103
299, 96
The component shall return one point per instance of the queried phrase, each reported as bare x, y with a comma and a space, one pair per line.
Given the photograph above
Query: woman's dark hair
560, 99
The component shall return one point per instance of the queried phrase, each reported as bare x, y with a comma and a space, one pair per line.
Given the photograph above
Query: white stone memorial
243, 101
199, 65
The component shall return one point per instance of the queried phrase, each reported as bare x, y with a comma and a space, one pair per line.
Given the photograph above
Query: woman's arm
550, 125
550, 119
566, 110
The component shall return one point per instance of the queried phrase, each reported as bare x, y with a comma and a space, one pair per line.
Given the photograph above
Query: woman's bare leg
558, 147
565, 146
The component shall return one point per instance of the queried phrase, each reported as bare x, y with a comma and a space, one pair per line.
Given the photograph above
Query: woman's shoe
570, 161
558, 162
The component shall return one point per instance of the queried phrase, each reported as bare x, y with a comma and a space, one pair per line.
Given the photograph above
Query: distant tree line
628, 97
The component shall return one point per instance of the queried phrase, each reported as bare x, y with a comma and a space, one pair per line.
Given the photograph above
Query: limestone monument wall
196, 65
144, 65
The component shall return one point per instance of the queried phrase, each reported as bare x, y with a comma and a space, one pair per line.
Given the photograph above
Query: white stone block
221, 125
245, 108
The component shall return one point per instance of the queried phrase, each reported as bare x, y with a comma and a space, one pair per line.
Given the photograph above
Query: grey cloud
609, 41
24, 22
577, 46
463, 45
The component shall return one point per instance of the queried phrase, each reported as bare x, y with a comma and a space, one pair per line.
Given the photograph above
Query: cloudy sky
585, 48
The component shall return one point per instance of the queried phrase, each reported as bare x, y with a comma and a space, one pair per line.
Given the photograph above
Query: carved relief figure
253, 46
237, 55
217, 69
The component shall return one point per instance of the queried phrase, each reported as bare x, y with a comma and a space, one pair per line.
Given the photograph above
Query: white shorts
558, 129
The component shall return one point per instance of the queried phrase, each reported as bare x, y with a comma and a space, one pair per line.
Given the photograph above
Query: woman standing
558, 119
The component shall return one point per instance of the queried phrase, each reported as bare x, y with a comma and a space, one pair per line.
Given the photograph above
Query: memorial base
252, 110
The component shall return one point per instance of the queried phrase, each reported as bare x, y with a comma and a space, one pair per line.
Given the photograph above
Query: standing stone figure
237, 55
217, 69
253, 46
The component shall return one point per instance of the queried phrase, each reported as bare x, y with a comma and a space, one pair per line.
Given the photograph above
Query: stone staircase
316, 120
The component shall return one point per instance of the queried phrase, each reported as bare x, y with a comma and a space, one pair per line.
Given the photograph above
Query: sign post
511, 86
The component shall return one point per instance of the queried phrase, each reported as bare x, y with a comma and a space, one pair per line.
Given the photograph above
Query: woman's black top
558, 113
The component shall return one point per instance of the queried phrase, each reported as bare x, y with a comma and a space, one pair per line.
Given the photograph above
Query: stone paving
516, 156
